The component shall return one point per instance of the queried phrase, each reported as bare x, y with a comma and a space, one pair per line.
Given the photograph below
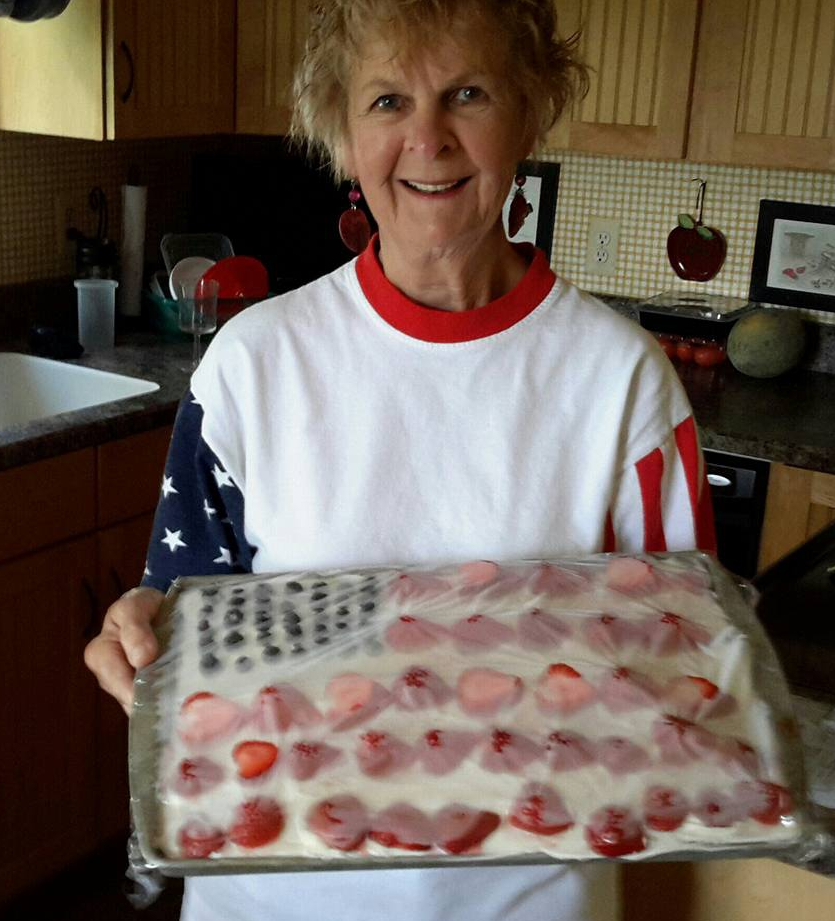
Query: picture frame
794, 255
542, 179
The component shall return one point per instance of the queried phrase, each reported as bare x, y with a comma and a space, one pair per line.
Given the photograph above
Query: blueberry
319, 585
209, 662
341, 625
271, 652
243, 663
264, 635
207, 639
320, 627
237, 590
264, 618
204, 625
342, 612
233, 638
292, 620
208, 592
367, 606
318, 609
294, 587
294, 630
207, 609
318, 596
296, 649
321, 640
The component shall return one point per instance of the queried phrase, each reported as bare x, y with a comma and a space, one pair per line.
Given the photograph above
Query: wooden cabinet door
763, 89
170, 67
122, 551
641, 55
271, 37
47, 784
52, 73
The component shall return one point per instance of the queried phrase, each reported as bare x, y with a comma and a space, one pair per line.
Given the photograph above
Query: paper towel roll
134, 201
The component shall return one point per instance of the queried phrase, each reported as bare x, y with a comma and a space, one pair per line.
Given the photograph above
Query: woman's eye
387, 103
468, 94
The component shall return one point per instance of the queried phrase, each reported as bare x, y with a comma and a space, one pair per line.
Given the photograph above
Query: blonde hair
544, 72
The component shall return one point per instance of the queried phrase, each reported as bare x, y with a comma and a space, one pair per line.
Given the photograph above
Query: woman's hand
126, 643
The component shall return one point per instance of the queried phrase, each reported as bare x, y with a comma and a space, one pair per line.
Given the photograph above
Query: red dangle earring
353, 224
520, 208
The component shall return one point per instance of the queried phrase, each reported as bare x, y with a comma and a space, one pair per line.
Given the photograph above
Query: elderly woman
443, 397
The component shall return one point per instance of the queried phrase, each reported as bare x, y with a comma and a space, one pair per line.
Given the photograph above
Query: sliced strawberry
341, 822
380, 754
355, 700
717, 809
460, 829
278, 707
414, 634
670, 634
621, 756
631, 577
415, 586
696, 697
562, 689
485, 691
509, 752
306, 759
196, 775
613, 831
682, 742
567, 751
205, 717
257, 822
766, 802
540, 810
419, 687
478, 572
609, 633
442, 751
254, 758
665, 808
478, 633
540, 630
198, 839
624, 689
402, 826
738, 757
559, 581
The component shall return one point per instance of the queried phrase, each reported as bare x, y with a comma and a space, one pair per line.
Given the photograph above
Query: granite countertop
790, 419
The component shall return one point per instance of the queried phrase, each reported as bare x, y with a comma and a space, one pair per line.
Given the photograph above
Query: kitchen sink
34, 388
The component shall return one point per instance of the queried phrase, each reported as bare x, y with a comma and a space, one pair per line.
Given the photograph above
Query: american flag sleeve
663, 502
199, 521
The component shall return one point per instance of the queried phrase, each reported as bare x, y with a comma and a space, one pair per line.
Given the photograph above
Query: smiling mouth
434, 188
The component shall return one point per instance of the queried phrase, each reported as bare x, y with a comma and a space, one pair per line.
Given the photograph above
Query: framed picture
540, 189
794, 256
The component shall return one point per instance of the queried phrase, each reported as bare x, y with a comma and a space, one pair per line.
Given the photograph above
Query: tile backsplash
646, 197
43, 179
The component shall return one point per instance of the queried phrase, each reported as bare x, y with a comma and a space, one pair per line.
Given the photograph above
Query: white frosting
724, 660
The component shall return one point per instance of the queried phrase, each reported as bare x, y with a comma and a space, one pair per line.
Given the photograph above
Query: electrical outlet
602, 246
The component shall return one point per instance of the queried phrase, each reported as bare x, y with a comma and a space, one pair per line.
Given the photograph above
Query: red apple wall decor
696, 251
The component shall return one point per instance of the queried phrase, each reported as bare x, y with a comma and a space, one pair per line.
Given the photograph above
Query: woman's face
433, 140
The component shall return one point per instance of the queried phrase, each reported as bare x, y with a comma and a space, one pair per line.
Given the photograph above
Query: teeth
424, 187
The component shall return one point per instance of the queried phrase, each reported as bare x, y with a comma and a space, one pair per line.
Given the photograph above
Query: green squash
766, 343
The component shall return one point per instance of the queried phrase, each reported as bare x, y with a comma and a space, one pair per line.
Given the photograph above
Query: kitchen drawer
130, 474
47, 501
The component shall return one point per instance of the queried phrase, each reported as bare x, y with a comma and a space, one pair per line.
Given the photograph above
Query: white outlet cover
601, 256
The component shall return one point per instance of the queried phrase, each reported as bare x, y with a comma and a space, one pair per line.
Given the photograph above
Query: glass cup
197, 311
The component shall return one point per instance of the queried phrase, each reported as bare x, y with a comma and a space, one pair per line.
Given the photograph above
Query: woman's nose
429, 133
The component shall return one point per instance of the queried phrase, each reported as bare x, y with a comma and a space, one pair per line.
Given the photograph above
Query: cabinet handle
120, 587
126, 50
90, 627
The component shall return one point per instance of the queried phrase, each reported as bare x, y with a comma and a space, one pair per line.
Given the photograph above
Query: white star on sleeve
208, 509
172, 538
225, 556
222, 478
147, 571
168, 485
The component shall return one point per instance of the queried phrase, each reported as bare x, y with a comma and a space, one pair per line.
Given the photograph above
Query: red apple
696, 251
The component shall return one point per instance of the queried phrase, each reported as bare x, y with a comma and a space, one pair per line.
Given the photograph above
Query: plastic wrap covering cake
605, 707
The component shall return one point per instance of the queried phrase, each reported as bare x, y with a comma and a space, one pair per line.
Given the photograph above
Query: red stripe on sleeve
609, 544
700, 501
650, 471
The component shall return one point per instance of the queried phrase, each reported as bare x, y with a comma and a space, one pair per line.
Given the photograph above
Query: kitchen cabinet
641, 53
271, 37
121, 69
722, 81
799, 503
762, 93
76, 533
736, 890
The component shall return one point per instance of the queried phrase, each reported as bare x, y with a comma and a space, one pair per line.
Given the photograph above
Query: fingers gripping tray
598, 708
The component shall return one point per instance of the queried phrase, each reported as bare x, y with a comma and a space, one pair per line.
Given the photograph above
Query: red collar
433, 325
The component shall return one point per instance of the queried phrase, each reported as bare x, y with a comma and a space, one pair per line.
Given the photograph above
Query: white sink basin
34, 388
